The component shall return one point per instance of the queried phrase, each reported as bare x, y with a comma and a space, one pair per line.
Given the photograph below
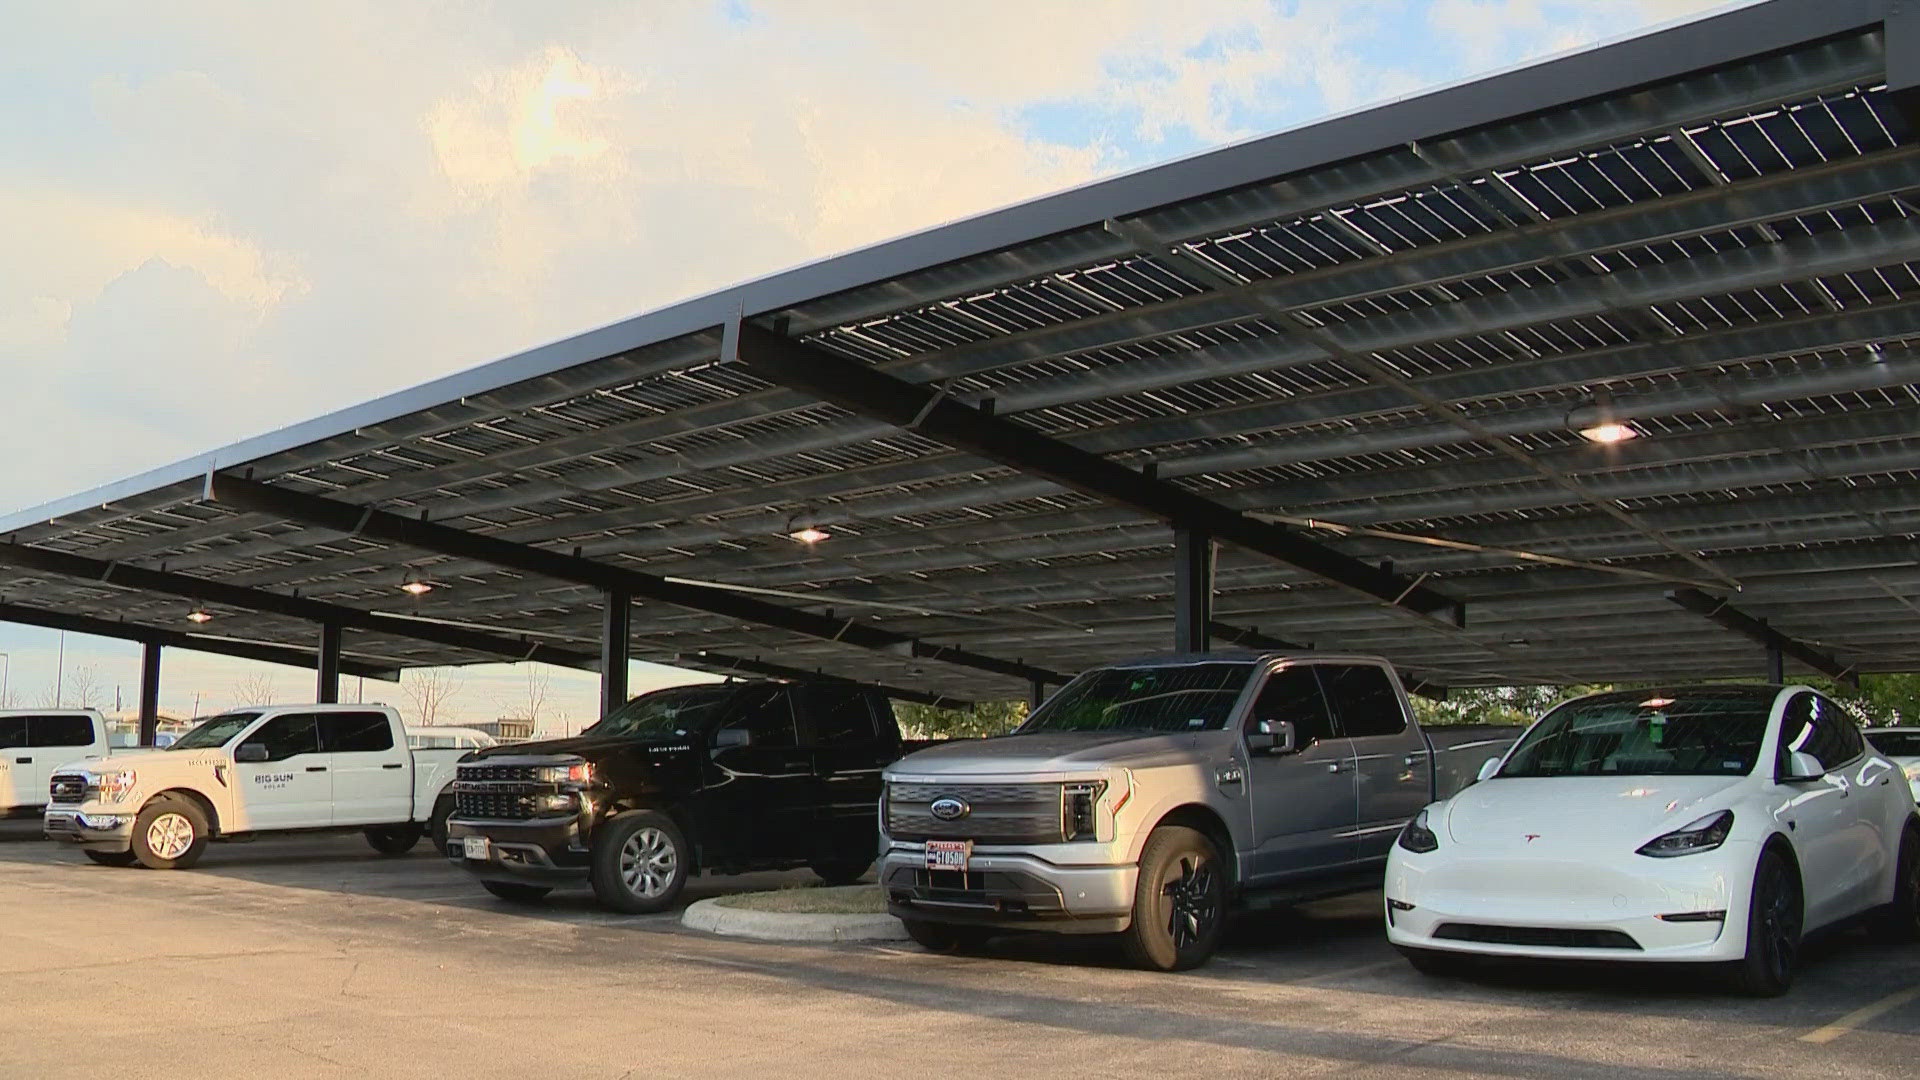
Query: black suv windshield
1182, 697
1710, 731
214, 731
663, 713
1895, 743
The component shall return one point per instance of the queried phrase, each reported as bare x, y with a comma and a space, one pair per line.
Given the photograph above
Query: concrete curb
715, 918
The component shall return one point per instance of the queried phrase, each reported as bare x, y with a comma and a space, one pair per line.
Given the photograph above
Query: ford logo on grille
950, 809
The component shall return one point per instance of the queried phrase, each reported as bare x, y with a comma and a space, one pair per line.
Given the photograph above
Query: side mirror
1273, 737
727, 737
251, 751
1487, 769
1803, 767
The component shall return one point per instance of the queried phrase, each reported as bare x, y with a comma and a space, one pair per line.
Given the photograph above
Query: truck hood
1052, 751
582, 746
132, 759
1567, 811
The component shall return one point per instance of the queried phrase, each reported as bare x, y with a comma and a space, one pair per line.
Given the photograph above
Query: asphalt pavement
314, 957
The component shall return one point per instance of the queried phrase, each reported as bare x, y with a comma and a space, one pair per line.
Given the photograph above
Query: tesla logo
1531, 837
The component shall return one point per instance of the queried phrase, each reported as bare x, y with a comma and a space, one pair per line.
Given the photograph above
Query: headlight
1077, 802
566, 774
565, 801
1417, 837
1703, 834
114, 784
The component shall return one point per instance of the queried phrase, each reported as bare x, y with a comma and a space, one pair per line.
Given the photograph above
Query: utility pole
60, 673
6, 671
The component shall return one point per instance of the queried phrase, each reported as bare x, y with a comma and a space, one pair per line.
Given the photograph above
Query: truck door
293, 787
849, 749
1391, 767
759, 794
16, 766
1303, 803
52, 741
372, 784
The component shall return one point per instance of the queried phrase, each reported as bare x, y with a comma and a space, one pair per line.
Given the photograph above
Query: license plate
474, 847
949, 854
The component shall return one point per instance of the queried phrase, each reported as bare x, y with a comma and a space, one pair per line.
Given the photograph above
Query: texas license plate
949, 854
474, 847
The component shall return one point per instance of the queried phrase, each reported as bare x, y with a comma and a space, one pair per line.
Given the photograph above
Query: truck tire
392, 840
946, 937
170, 833
113, 858
639, 862
839, 873
1179, 901
515, 893
437, 824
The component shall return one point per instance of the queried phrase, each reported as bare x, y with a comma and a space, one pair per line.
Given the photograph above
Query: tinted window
355, 733
1363, 698
214, 731
840, 714
1684, 732
60, 731
1890, 743
287, 735
1172, 697
1293, 694
1811, 724
664, 714
766, 716
13, 731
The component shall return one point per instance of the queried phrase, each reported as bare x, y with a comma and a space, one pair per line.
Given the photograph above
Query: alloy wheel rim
1192, 907
1779, 923
170, 835
647, 862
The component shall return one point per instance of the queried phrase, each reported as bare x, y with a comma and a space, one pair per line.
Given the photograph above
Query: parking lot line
1860, 1016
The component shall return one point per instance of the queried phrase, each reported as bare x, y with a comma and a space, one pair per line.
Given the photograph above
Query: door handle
796, 764
23, 761
391, 765
316, 768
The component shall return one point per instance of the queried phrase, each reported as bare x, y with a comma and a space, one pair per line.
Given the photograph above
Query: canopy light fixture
416, 588
809, 535
199, 615
1606, 434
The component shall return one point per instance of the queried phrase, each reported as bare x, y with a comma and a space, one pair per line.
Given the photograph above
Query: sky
222, 218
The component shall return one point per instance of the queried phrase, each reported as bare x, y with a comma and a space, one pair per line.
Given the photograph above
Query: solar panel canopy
1384, 333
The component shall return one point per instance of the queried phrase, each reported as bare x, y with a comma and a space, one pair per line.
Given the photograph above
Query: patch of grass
813, 900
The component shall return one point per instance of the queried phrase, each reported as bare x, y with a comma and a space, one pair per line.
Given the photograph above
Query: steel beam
1192, 590
725, 664
1902, 28
1724, 613
149, 692
930, 413
290, 655
327, 513
616, 630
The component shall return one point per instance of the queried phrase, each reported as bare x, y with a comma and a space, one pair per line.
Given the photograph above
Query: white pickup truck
287, 768
33, 742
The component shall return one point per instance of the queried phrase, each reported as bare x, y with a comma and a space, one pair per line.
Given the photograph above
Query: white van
33, 743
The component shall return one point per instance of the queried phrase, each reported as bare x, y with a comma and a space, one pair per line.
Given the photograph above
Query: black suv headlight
1417, 837
1701, 834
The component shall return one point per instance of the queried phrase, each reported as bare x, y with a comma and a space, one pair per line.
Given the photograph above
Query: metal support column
1902, 26
149, 692
1776, 665
1036, 693
1192, 590
327, 665
615, 634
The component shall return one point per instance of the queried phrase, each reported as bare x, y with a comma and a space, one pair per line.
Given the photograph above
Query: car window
355, 732
60, 731
1896, 743
13, 731
286, 736
840, 714
1811, 724
766, 717
1293, 694
1363, 698
1158, 697
1689, 731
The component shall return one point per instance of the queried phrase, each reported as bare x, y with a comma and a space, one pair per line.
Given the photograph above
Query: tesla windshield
1182, 697
1694, 732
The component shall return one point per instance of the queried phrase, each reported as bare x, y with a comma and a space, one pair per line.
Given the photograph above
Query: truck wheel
839, 873
394, 840
1179, 902
437, 824
1899, 922
113, 858
946, 937
170, 833
516, 893
639, 862
1773, 929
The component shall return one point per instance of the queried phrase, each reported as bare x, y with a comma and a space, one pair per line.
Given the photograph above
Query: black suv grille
68, 789
995, 813
1552, 937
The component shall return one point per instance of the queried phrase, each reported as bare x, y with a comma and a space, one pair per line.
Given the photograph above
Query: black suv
720, 779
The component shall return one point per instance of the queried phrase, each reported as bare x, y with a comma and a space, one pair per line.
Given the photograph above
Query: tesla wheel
844, 872
639, 862
113, 858
1899, 922
394, 840
1435, 963
1179, 901
513, 892
170, 833
1774, 915
946, 937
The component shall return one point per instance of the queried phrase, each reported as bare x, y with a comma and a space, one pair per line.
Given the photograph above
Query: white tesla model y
1701, 824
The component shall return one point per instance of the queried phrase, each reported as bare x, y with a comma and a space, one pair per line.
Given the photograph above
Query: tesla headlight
114, 784
1701, 834
1417, 837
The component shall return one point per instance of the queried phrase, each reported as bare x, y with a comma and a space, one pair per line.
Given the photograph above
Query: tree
529, 703
83, 686
430, 689
255, 689
985, 718
1495, 704
1881, 699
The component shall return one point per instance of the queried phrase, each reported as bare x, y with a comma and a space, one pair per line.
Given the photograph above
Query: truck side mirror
727, 737
251, 751
1802, 767
1487, 769
1273, 737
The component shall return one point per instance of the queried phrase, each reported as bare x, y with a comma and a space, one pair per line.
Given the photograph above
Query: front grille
68, 789
500, 792
499, 805
1552, 937
485, 773
996, 813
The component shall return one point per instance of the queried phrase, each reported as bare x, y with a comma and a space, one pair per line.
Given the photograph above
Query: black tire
1774, 920
1898, 923
437, 824
839, 873
946, 937
158, 840
640, 862
392, 840
113, 858
1434, 963
516, 893
1179, 901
